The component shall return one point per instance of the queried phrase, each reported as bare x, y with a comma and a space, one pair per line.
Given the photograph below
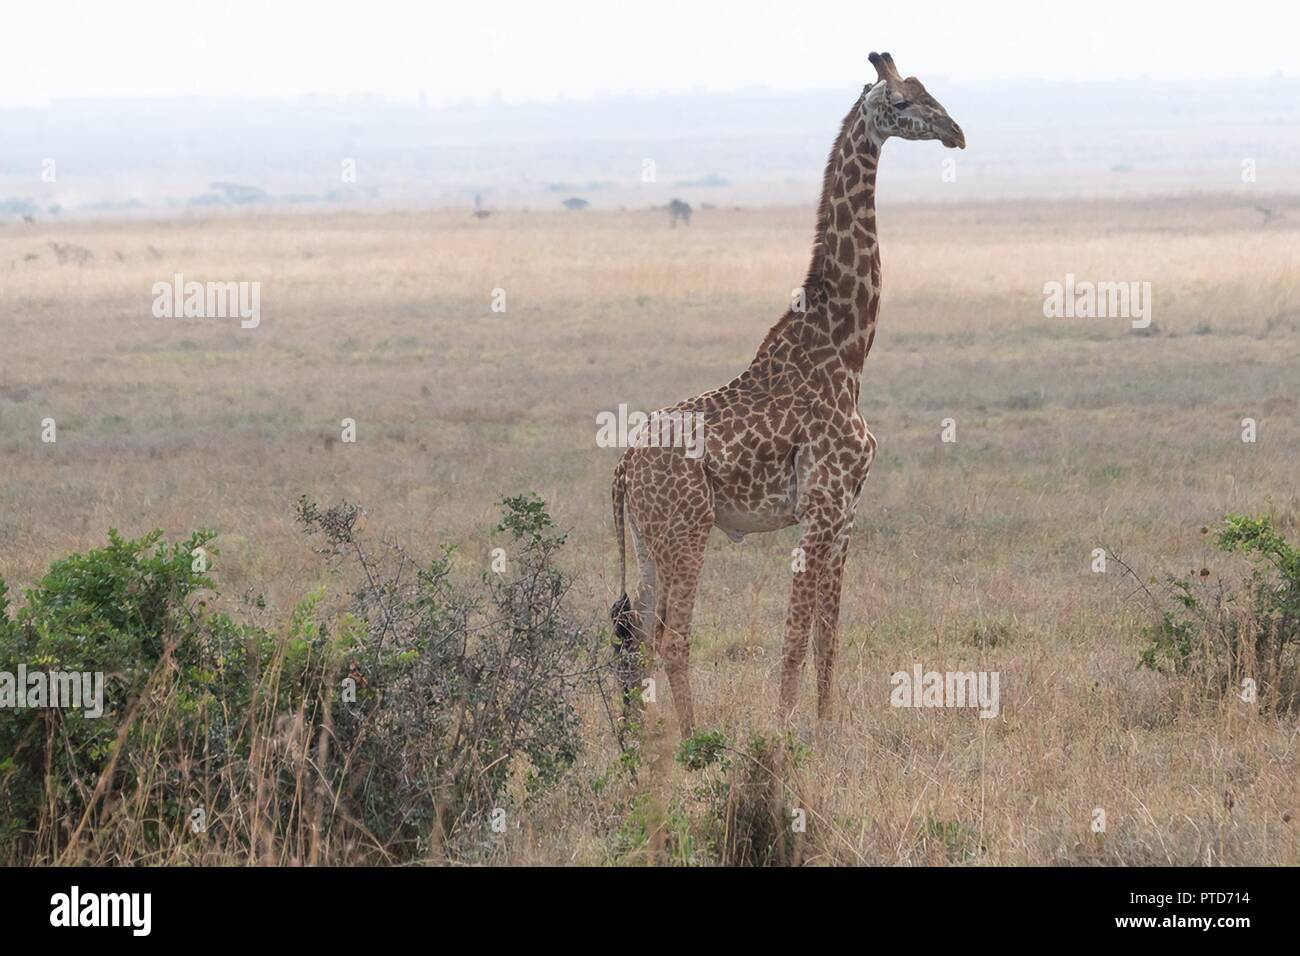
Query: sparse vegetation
1071, 435
389, 731
1229, 632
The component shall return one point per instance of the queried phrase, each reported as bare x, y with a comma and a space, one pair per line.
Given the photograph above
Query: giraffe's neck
842, 290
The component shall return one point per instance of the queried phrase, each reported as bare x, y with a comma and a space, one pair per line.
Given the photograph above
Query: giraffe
784, 442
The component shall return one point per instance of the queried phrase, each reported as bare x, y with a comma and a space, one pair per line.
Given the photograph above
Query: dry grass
1072, 435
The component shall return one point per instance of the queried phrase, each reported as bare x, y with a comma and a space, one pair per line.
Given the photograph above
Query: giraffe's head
901, 107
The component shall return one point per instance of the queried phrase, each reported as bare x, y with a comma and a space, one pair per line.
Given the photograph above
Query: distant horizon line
421, 99
146, 212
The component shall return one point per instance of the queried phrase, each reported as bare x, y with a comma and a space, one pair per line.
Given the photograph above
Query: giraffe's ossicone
784, 442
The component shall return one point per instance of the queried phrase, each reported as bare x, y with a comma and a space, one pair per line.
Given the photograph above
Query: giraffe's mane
824, 206
813, 279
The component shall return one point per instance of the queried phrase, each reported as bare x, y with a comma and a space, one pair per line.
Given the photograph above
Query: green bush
1226, 631
387, 729
655, 833
750, 804
461, 683
125, 611
705, 747
958, 843
757, 813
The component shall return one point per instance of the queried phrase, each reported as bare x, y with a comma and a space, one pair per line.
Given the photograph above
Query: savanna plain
974, 554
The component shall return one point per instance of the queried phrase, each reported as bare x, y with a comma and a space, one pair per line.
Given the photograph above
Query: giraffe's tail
618, 493
621, 613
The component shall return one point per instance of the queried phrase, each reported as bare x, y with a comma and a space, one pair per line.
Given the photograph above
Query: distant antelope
71, 252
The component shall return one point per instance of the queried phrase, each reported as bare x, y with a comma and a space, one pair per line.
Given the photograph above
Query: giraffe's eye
902, 105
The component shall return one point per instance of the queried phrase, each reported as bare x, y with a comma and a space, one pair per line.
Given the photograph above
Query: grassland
1072, 434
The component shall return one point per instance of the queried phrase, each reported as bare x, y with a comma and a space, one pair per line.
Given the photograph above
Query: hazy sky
530, 49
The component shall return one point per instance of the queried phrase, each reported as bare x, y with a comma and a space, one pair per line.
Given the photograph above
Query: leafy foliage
123, 611
741, 811
959, 844
1225, 632
460, 683
702, 749
384, 724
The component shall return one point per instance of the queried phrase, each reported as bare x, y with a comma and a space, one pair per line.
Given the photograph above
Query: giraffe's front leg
826, 638
816, 546
831, 585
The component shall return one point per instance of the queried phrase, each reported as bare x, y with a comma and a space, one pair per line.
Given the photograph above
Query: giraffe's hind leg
643, 603
678, 603
670, 502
